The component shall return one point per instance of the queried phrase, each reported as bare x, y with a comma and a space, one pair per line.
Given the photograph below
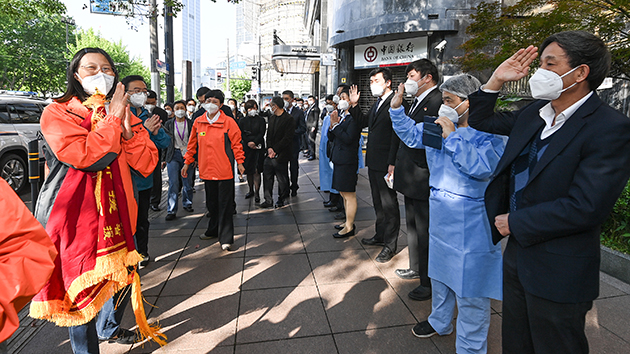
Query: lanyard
181, 135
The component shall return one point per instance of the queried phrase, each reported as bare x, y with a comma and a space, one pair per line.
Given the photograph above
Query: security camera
440, 46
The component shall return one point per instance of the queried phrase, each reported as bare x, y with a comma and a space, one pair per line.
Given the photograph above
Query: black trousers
156, 191
294, 167
219, 201
386, 208
532, 324
417, 216
142, 227
273, 168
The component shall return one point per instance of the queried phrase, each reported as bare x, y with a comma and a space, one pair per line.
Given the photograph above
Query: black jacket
300, 123
280, 135
345, 140
383, 142
312, 121
555, 230
411, 176
169, 128
253, 129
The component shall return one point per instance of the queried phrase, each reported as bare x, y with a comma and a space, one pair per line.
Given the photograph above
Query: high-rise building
191, 39
287, 19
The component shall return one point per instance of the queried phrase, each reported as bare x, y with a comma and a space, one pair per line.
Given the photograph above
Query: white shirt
548, 114
181, 128
383, 98
214, 119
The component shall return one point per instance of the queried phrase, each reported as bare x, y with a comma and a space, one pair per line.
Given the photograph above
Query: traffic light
219, 78
254, 73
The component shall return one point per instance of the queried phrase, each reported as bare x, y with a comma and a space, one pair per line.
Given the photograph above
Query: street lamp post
68, 21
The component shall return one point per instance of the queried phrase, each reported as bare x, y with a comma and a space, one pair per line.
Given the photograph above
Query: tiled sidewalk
289, 287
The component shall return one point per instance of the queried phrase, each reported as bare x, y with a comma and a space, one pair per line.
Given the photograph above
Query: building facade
191, 38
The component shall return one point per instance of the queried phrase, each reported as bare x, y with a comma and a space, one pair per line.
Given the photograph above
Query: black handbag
329, 149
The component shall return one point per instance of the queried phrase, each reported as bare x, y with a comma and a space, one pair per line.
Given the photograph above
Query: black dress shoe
311, 158
249, 195
348, 234
280, 203
265, 204
189, 209
328, 204
421, 293
407, 274
294, 193
340, 216
335, 209
339, 227
257, 199
385, 256
155, 208
170, 216
372, 242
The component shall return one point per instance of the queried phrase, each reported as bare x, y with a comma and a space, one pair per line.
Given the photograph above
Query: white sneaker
226, 246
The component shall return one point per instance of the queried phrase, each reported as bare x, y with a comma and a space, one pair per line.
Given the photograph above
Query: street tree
499, 31
238, 88
32, 54
125, 64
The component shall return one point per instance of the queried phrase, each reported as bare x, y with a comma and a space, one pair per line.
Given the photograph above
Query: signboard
328, 59
111, 7
390, 53
237, 65
162, 67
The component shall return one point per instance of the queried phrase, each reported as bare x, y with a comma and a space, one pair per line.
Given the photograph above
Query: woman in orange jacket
26, 259
217, 139
87, 205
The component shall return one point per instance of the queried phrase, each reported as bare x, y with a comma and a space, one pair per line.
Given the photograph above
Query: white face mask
138, 99
329, 108
311, 102
343, 105
547, 85
180, 113
232, 107
169, 112
451, 113
211, 108
336, 99
286, 104
149, 107
100, 81
411, 86
377, 90
252, 113
190, 108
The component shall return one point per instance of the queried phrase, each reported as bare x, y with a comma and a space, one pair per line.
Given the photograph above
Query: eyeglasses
94, 69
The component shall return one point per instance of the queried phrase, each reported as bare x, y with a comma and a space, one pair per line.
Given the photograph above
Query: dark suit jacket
411, 176
253, 129
345, 140
312, 121
383, 142
571, 191
280, 135
300, 123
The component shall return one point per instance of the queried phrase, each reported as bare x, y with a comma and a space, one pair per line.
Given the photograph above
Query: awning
289, 59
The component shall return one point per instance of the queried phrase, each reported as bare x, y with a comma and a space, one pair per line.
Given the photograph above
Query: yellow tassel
146, 330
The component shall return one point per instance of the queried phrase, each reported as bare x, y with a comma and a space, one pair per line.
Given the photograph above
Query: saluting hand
514, 68
354, 95
397, 100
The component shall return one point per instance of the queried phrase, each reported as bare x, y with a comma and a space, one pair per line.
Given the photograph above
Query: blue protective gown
325, 167
461, 253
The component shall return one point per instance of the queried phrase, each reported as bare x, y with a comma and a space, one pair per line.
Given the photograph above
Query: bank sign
390, 53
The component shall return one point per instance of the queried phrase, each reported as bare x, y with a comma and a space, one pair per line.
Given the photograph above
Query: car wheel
13, 170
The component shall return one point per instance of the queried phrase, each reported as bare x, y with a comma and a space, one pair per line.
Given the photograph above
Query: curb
615, 263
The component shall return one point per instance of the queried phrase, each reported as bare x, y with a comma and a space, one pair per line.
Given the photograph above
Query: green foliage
506, 103
497, 32
32, 54
24, 10
238, 88
125, 64
616, 229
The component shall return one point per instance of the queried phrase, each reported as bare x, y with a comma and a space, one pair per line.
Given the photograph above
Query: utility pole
259, 72
153, 28
168, 52
228, 93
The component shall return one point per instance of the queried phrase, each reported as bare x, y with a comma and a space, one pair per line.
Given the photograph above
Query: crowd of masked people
470, 176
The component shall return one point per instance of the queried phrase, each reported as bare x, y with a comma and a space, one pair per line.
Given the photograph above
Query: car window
4, 115
24, 113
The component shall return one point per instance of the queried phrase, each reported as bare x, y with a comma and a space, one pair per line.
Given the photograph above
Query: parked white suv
19, 124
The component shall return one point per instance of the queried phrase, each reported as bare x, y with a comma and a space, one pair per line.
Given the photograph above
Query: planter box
616, 264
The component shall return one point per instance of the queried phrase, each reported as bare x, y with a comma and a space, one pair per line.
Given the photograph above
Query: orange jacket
26, 258
219, 144
81, 149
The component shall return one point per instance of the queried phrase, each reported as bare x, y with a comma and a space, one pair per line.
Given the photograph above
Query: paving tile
320, 239
369, 304
166, 248
184, 223
170, 232
210, 249
342, 267
384, 340
154, 276
606, 290
446, 344
199, 322
306, 345
420, 309
400, 261
613, 314
272, 228
281, 313
601, 340
276, 271
205, 276
262, 244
